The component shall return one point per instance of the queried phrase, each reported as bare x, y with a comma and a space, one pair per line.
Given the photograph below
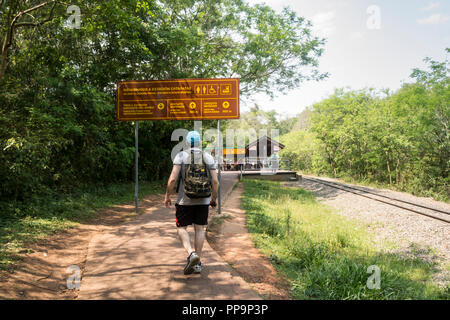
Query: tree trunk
4, 52
397, 172
12, 23
389, 169
389, 172
330, 158
4, 60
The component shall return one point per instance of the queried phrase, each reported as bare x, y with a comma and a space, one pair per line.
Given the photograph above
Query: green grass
22, 223
324, 255
217, 221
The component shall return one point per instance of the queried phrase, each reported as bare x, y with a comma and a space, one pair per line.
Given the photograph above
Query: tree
57, 124
21, 14
400, 138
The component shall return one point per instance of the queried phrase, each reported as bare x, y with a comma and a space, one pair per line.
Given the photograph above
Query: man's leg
199, 238
193, 259
184, 238
183, 219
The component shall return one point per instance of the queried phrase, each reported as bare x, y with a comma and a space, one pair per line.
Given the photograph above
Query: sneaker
198, 268
191, 262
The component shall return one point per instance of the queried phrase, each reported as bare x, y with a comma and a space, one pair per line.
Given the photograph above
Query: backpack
197, 181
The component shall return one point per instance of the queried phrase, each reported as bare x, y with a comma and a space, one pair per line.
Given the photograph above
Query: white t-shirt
183, 158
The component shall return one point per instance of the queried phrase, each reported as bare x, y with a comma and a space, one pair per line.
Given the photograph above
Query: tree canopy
57, 85
400, 138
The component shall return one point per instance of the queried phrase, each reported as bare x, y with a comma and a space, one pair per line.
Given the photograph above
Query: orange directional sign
185, 99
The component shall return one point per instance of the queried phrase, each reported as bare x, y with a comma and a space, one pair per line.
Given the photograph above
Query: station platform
278, 175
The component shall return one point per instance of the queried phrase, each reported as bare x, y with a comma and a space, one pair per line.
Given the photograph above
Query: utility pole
136, 164
219, 162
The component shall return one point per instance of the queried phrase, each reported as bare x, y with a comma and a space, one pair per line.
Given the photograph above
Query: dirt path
231, 240
143, 259
42, 272
127, 256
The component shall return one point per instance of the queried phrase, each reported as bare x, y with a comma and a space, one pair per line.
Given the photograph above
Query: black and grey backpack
197, 182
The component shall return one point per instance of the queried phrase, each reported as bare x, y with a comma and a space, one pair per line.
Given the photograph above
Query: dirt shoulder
230, 238
42, 273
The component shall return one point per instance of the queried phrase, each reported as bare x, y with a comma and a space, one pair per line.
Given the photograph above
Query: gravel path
413, 235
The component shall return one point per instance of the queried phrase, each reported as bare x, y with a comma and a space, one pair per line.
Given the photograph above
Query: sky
362, 50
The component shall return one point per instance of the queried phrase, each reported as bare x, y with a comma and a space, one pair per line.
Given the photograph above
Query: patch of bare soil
42, 273
231, 240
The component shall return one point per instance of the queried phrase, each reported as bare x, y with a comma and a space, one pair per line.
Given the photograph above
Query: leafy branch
13, 22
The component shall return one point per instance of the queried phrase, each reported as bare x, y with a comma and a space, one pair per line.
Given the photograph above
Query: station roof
269, 142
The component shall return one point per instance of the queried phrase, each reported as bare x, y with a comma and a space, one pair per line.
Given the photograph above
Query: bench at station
279, 175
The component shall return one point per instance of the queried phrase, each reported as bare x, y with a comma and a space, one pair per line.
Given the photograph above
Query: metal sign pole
219, 91
136, 163
219, 162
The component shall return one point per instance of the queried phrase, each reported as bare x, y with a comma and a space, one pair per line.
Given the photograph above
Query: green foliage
400, 139
304, 152
250, 124
57, 95
324, 255
258, 122
23, 223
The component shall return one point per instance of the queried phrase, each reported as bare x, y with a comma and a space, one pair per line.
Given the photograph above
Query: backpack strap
192, 157
203, 161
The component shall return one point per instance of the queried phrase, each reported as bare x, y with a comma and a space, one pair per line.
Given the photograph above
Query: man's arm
215, 187
171, 184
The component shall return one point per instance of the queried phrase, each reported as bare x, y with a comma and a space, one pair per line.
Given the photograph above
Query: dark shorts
187, 215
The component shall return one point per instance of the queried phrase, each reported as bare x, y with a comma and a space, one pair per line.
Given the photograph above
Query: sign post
188, 99
181, 99
219, 163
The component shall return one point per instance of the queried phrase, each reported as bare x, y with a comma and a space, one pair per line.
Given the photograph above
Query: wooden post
136, 164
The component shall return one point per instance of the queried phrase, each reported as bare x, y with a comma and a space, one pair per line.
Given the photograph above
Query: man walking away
195, 177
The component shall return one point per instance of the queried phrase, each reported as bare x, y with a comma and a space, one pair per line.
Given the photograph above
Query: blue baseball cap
193, 138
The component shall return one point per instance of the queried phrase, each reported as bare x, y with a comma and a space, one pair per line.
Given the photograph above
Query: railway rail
360, 192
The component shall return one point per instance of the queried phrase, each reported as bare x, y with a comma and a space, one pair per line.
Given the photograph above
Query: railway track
385, 199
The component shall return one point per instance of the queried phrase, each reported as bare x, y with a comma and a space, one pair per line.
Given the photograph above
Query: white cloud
323, 23
436, 18
431, 6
